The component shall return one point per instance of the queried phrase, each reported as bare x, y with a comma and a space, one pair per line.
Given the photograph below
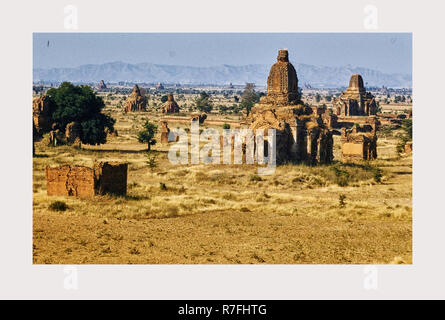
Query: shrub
378, 175
162, 186
341, 200
135, 250
58, 206
151, 161
255, 177
341, 176
226, 126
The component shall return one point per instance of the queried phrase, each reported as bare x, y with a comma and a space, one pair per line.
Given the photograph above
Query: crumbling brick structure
136, 102
198, 117
170, 106
164, 132
72, 133
83, 182
110, 177
282, 82
358, 143
41, 110
355, 101
408, 147
330, 119
101, 85
301, 134
75, 181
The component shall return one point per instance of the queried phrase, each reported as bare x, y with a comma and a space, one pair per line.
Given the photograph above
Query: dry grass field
225, 214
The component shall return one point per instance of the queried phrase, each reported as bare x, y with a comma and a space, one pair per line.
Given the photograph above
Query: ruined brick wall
408, 147
329, 119
358, 145
41, 110
75, 181
72, 132
164, 132
83, 182
325, 147
353, 151
110, 177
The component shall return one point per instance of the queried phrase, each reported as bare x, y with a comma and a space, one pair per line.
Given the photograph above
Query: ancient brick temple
170, 106
360, 142
136, 102
101, 85
355, 101
282, 83
301, 135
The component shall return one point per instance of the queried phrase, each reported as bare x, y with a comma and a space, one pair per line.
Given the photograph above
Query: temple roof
282, 83
356, 81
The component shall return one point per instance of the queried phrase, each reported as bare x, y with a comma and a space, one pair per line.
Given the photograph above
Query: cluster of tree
399, 99
80, 104
203, 102
249, 97
318, 97
234, 108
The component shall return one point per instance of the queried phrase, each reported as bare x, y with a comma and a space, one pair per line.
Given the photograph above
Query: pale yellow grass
223, 213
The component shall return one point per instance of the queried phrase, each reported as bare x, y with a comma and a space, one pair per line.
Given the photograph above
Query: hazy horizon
385, 52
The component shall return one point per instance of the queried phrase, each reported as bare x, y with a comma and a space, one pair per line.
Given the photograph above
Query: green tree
249, 97
146, 135
81, 105
151, 161
164, 99
407, 134
203, 102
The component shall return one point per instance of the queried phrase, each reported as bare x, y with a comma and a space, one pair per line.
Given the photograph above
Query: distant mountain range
316, 76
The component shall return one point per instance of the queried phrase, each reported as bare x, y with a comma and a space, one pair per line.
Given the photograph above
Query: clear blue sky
386, 52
